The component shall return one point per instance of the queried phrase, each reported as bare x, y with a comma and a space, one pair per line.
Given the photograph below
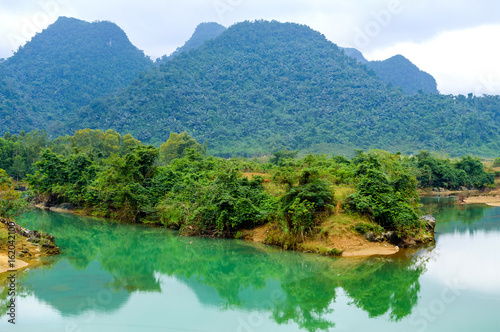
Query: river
120, 277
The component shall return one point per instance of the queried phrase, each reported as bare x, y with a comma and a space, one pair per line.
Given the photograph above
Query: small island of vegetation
318, 203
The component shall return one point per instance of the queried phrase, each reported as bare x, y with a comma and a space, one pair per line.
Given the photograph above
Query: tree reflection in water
290, 287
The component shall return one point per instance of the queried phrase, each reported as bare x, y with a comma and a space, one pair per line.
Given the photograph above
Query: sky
456, 41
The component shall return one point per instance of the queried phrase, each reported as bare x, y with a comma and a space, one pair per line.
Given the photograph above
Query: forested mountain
202, 33
65, 67
261, 86
255, 88
398, 71
401, 72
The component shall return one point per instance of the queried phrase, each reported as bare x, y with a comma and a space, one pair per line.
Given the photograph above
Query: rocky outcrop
430, 222
44, 240
389, 236
393, 238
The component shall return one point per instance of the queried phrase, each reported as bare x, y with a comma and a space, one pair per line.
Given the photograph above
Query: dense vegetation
263, 86
62, 69
116, 176
468, 172
256, 88
11, 203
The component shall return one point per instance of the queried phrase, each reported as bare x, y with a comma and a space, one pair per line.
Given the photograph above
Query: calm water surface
115, 277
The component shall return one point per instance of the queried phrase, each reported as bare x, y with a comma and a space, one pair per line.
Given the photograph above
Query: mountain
262, 86
354, 53
398, 71
68, 65
255, 88
401, 72
202, 33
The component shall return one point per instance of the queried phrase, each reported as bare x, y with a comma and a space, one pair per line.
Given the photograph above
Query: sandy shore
355, 245
351, 244
27, 253
373, 249
4, 264
490, 200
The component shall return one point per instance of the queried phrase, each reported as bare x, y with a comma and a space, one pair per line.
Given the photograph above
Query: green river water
116, 277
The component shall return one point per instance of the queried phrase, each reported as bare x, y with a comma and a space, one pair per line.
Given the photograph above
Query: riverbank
340, 234
335, 236
488, 196
488, 200
29, 249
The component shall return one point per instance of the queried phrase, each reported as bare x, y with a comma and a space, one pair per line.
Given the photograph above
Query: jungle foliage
443, 173
256, 88
116, 176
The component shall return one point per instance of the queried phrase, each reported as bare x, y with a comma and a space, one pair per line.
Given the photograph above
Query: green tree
176, 145
279, 157
18, 168
387, 195
301, 203
11, 203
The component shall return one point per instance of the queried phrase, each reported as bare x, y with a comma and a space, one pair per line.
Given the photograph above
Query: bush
364, 228
391, 204
301, 203
217, 208
496, 162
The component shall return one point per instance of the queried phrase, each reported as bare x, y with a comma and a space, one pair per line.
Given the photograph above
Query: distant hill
401, 72
354, 53
71, 63
262, 86
202, 33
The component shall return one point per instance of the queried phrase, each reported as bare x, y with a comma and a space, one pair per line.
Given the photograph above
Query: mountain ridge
262, 86
71, 63
255, 88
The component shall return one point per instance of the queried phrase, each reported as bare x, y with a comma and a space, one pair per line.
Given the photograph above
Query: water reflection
105, 263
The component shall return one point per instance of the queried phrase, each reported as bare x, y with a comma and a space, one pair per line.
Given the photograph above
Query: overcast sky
457, 41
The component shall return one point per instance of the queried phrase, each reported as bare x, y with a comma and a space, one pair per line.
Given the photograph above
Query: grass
4, 235
319, 249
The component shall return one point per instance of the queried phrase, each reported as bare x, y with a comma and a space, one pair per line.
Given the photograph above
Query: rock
463, 188
430, 222
442, 189
391, 237
410, 243
369, 236
33, 240
51, 250
21, 188
65, 206
435, 189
